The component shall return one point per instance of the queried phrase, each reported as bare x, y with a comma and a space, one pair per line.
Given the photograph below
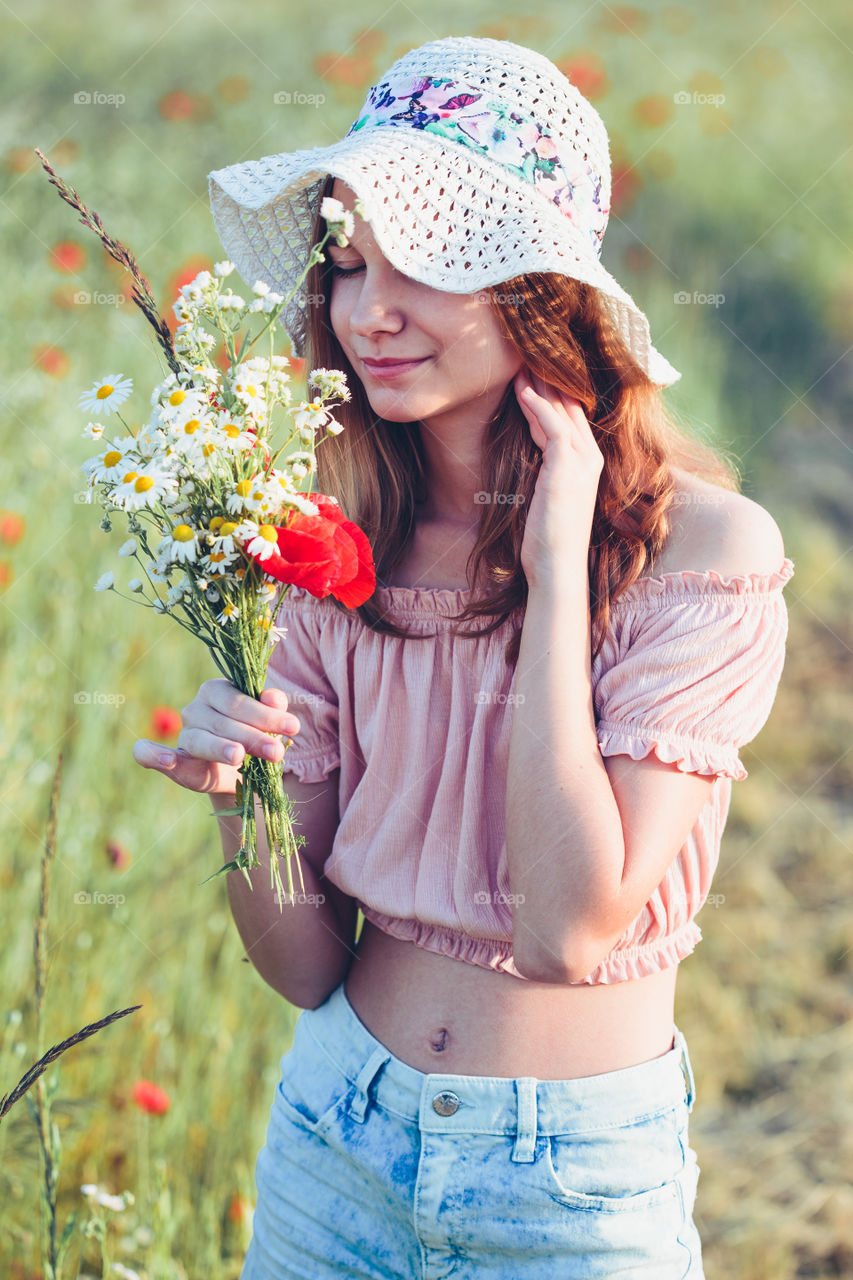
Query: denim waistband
442, 1102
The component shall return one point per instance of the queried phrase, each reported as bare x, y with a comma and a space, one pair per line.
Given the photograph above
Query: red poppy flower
117, 854
326, 554
12, 527
165, 722
52, 359
151, 1098
67, 255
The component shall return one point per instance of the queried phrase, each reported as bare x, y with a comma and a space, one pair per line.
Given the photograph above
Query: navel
438, 1041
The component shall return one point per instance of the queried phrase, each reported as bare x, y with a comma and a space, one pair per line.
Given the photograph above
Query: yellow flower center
112, 458
104, 391
228, 527
269, 532
216, 556
244, 488
191, 426
143, 484
208, 449
131, 475
182, 533
215, 523
177, 397
231, 431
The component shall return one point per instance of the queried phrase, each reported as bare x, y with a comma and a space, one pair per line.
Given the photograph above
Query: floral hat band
465, 116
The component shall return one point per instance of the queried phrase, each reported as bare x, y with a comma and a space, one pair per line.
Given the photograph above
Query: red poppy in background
12, 527
117, 854
165, 722
67, 255
151, 1098
52, 359
326, 554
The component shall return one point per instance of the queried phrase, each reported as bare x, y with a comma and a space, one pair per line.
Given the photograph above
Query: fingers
187, 770
270, 714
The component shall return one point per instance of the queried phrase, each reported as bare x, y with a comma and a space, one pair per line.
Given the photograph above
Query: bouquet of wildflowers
217, 520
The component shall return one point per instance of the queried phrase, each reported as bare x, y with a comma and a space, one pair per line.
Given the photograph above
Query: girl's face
463, 362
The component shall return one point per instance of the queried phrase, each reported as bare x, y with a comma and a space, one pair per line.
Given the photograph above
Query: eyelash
342, 271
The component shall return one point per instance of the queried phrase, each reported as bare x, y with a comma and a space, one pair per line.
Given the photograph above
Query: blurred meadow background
732, 227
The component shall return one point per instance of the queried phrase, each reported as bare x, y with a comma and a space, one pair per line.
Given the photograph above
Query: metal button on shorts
446, 1103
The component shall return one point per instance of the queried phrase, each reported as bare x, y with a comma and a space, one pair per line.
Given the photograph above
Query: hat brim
444, 216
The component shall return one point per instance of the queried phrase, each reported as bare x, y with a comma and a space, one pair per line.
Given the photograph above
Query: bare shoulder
716, 528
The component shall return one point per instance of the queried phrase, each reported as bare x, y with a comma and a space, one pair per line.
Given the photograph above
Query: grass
746, 200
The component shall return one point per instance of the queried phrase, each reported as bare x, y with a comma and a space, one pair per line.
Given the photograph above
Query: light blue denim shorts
374, 1169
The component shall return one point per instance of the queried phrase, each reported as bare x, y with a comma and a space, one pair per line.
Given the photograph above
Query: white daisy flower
144, 487
260, 287
310, 415
338, 219
109, 466
179, 590
248, 495
267, 592
229, 612
127, 548
231, 434
330, 382
247, 385
224, 268
160, 606
135, 584
106, 582
179, 405
182, 544
303, 504
231, 302
93, 431
126, 1273
271, 301
159, 572
107, 394
265, 543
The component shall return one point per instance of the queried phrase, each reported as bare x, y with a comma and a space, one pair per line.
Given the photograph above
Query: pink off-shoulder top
420, 729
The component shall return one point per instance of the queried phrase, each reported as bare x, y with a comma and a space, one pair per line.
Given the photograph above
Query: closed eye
343, 271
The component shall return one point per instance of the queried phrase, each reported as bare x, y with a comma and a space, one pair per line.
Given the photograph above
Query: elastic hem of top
621, 965
638, 740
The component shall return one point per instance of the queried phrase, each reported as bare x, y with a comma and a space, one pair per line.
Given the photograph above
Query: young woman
517, 756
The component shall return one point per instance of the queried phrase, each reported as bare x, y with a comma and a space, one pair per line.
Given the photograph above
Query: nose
379, 305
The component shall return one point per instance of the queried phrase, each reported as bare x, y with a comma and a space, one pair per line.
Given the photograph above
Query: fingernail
232, 754
166, 757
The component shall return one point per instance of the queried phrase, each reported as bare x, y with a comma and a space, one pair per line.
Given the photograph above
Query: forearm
565, 844
300, 950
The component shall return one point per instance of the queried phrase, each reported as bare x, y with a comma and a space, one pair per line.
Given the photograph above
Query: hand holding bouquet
217, 521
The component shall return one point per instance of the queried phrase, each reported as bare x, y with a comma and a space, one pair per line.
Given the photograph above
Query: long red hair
559, 326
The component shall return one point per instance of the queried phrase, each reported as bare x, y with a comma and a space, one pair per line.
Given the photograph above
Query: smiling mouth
392, 369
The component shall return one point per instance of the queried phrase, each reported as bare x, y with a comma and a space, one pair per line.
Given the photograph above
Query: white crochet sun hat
475, 160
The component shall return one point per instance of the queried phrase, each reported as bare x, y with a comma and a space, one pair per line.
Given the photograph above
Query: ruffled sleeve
696, 670
297, 667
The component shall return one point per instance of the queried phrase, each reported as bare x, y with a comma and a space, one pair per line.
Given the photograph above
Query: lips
388, 361
387, 369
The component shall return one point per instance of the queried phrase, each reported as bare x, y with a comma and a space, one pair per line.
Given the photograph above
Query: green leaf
228, 866
64, 1240
227, 813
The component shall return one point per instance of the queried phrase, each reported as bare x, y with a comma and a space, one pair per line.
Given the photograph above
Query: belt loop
365, 1077
687, 1071
526, 1119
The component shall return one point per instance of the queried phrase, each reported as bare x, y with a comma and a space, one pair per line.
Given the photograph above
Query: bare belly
438, 1014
